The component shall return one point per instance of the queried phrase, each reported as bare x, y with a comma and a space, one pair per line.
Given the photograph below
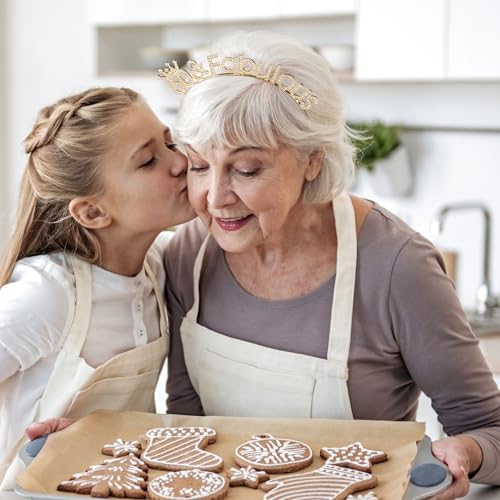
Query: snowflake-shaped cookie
246, 476
121, 448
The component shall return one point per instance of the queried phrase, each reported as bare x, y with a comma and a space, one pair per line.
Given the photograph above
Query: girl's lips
233, 224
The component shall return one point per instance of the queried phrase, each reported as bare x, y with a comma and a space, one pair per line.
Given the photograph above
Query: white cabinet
474, 39
401, 39
316, 7
126, 12
225, 10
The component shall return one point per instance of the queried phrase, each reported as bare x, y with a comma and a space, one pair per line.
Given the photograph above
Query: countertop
478, 492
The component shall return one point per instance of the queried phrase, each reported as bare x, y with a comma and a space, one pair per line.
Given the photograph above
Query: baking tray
53, 459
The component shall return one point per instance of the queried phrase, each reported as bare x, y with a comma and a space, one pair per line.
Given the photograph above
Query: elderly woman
288, 297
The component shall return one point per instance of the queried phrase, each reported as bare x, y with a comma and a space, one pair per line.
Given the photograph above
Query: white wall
3, 102
449, 166
48, 56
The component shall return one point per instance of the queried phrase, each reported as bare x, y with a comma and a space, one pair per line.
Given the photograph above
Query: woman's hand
39, 429
462, 455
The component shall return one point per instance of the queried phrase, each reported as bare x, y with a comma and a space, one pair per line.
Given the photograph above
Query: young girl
82, 319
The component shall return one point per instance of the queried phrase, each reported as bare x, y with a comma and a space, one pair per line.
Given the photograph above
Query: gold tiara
181, 80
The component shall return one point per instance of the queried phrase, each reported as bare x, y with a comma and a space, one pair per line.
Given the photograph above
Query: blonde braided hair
66, 147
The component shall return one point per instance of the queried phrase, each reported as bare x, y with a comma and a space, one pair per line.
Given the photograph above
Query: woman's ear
89, 214
315, 162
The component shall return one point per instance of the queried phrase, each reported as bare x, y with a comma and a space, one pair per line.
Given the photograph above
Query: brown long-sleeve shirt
409, 332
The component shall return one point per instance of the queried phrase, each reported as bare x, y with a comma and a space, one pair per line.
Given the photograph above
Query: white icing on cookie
363, 496
246, 476
121, 448
193, 484
327, 482
269, 454
354, 456
123, 473
179, 448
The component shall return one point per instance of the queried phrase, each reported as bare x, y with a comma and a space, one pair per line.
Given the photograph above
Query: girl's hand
462, 455
39, 429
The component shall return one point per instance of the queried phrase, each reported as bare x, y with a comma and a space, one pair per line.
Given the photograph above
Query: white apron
75, 389
238, 378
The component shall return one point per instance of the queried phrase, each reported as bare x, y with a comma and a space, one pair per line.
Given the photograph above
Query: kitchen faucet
485, 301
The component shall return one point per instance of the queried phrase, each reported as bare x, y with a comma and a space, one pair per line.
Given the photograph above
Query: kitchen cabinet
474, 38
401, 39
316, 7
132, 12
225, 10
432, 40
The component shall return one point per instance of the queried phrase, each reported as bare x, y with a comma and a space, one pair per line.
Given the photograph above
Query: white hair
231, 111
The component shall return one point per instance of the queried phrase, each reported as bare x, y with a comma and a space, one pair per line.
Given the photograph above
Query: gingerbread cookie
363, 496
120, 448
246, 476
328, 482
354, 456
194, 484
273, 455
180, 448
117, 477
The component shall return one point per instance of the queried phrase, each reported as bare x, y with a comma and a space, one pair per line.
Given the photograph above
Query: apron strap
343, 294
164, 327
83, 306
193, 312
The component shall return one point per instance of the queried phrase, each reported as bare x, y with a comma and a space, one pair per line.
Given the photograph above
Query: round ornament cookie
181, 448
273, 455
193, 484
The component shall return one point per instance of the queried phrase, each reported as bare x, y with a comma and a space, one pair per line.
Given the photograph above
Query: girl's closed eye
148, 163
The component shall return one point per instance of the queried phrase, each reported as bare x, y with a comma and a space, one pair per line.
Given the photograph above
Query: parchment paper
79, 446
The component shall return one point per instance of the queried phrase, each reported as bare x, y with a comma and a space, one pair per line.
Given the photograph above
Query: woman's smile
233, 223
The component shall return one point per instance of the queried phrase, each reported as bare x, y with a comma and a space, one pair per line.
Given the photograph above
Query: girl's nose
179, 165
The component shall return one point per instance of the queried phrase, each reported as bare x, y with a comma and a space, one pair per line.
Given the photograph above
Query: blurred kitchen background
430, 66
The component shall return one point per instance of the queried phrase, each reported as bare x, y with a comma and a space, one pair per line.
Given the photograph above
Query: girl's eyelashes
172, 146
149, 163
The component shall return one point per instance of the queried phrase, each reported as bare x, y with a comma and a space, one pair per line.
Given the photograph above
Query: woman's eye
195, 168
247, 173
172, 146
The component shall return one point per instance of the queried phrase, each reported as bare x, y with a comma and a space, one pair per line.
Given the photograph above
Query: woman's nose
219, 193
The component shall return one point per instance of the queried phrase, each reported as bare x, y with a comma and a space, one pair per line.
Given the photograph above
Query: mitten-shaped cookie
328, 482
181, 448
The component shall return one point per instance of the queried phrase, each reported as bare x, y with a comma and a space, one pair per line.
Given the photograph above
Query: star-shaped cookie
354, 456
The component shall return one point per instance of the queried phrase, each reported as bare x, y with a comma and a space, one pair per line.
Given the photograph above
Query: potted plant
380, 152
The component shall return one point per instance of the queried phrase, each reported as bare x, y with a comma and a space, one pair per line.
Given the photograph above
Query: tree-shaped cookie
328, 482
181, 448
120, 448
272, 455
354, 456
117, 477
